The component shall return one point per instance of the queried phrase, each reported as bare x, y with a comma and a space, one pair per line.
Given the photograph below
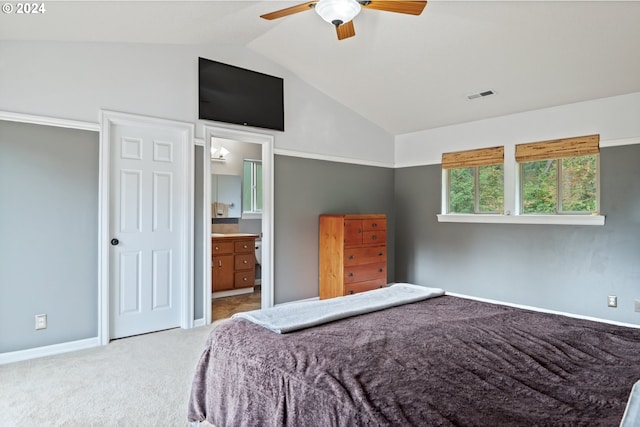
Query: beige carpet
138, 381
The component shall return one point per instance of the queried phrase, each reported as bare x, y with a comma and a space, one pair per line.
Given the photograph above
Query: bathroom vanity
233, 261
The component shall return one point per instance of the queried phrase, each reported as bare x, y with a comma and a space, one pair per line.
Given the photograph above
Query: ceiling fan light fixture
337, 12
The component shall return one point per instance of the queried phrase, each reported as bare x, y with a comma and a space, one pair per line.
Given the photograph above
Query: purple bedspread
440, 362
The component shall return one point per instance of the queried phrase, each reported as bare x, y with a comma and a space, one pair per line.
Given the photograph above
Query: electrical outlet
41, 321
637, 306
612, 301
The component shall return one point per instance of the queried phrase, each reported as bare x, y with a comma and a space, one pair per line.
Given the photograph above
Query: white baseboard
49, 350
300, 300
231, 293
199, 322
544, 310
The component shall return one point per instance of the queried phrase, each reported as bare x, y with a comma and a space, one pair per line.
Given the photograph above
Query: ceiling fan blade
289, 10
345, 30
408, 7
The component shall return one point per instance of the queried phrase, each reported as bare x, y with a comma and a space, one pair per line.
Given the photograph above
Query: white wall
238, 152
76, 80
613, 118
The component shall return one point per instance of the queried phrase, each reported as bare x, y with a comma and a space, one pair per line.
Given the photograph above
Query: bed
443, 361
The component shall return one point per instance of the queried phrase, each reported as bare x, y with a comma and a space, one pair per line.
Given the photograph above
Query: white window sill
251, 215
524, 219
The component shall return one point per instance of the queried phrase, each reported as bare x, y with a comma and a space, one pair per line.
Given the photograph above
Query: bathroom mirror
226, 196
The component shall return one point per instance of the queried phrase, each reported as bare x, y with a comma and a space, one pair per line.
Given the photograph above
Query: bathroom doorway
239, 192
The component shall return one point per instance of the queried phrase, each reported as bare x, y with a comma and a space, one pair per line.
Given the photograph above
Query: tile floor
222, 308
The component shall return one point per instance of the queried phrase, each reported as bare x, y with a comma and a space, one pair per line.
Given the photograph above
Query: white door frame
108, 118
266, 141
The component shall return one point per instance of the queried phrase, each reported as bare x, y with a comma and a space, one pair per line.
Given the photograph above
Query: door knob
115, 242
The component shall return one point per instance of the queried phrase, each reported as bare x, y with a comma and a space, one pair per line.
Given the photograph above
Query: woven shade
559, 148
471, 158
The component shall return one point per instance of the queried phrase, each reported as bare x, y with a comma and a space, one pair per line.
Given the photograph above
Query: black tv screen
235, 95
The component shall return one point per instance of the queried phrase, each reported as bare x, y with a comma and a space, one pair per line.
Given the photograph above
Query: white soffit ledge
524, 219
337, 159
48, 121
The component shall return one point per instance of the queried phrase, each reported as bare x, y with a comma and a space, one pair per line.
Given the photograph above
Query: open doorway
239, 243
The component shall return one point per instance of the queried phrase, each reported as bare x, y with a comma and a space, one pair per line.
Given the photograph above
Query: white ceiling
402, 72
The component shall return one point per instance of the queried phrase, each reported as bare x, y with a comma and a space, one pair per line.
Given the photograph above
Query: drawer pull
350, 274
245, 246
220, 263
381, 286
380, 254
374, 237
245, 261
380, 270
245, 279
375, 224
350, 256
350, 292
217, 248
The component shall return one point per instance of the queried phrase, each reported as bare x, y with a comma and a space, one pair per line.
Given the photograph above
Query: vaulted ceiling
404, 73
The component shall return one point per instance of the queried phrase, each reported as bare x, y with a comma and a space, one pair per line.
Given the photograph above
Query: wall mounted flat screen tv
235, 95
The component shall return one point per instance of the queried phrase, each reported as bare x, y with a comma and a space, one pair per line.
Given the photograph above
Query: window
549, 182
252, 188
559, 177
475, 181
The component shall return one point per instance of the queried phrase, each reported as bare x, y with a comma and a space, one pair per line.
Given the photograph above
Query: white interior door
146, 215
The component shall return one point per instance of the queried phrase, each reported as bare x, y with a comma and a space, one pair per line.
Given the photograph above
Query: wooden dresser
233, 259
353, 254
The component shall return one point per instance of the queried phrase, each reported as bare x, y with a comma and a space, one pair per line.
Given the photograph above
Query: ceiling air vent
481, 94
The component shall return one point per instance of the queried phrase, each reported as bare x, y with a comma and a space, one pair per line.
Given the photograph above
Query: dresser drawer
244, 279
374, 224
368, 255
248, 246
243, 262
361, 273
374, 237
354, 288
218, 247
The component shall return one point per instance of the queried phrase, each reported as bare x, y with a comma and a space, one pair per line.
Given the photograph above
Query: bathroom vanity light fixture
219, 153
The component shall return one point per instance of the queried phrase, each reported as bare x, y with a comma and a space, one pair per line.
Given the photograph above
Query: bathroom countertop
233, 235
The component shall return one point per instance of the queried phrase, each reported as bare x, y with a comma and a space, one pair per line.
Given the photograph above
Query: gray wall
306, 188
565, 268
48, 234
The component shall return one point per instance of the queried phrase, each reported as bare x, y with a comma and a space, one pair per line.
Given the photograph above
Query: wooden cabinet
352, 254
233, 262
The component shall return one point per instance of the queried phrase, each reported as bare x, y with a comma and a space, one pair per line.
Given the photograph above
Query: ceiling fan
341, 12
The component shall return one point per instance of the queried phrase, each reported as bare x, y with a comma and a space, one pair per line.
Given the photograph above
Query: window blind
471, 158
558, 148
